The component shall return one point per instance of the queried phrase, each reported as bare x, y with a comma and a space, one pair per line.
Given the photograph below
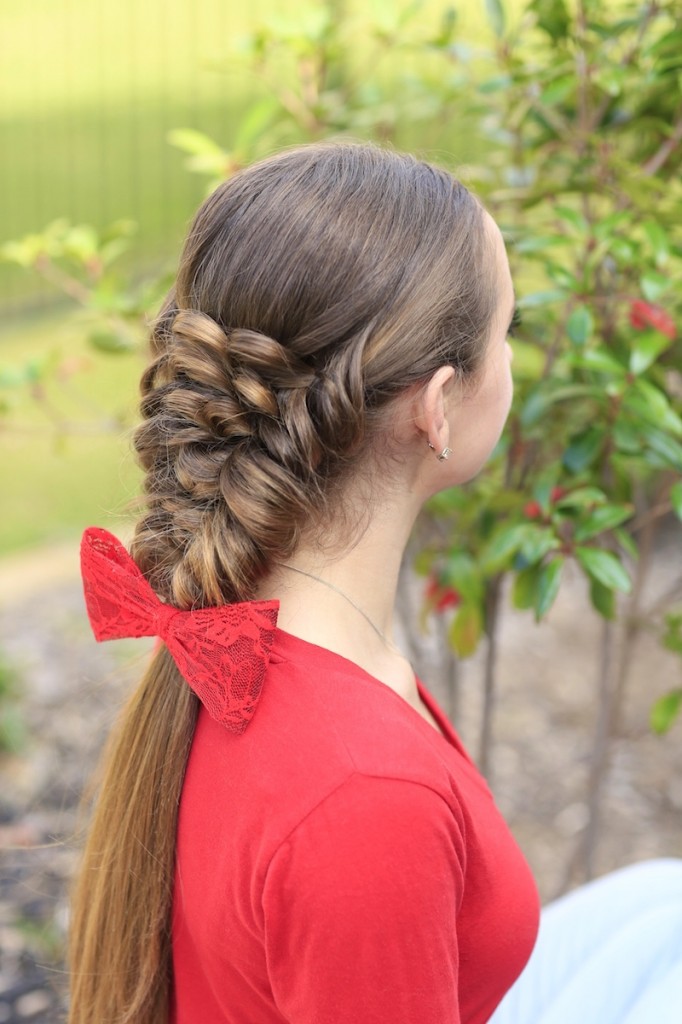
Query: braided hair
313, 288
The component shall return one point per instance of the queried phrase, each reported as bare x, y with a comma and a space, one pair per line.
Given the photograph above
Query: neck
367, 574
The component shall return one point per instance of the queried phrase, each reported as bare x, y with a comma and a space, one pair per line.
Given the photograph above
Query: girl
288, 828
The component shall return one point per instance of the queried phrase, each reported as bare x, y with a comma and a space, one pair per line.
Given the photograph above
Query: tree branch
667, 148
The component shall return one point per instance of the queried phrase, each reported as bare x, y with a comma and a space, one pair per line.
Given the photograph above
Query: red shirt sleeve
360, 907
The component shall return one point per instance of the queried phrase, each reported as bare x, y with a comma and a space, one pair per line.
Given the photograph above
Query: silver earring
445, 454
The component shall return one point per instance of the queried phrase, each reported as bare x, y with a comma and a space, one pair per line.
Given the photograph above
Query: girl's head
315, 289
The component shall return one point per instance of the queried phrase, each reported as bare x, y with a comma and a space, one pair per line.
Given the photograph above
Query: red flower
645, 314
441, 597
532, 510
557, 494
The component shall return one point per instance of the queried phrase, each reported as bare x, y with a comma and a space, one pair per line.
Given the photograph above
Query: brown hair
314, 287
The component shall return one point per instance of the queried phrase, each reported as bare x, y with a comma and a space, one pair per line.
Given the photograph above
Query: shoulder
350, 723
376, 820
317, 731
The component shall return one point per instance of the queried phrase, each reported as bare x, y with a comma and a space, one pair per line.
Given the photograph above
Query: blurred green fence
89, 90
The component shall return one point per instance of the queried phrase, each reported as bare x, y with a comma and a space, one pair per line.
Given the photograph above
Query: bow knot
222, 652
163, 616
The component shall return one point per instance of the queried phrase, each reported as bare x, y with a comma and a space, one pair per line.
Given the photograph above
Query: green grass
66, 468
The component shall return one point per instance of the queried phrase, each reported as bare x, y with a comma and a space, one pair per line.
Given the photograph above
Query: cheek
507, 372
510, 380
502, 385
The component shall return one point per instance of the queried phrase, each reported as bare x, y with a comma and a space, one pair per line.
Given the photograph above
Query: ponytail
120, 944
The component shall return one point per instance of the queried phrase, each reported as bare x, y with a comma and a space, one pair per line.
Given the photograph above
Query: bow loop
222, 652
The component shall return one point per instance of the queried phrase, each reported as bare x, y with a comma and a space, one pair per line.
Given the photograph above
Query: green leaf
598, 359
672, 638
496, 16
647, 348
466, 629
552, 17
536, 405
542, 487
622, 249
658, 240
651, 405
22, 253
463, 573
124, 227
504, 543
664, 446
549, 581
676, 498
194, 142
605, 227
671, 42
583, 449
81, 242
423, 561
665, 711
581, 497
525, 587
572, 217
558, 90
446, 30
538, 243
580, 325
547, 394
495, 84
607, 517
653, 285
111, 250
627, 543
610, 79
544, 298
110, 341
603, 599
605, 567
626, 437
254, 124
562, 276
537, 544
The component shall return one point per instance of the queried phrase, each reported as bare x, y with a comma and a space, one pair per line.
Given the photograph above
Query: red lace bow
221, 652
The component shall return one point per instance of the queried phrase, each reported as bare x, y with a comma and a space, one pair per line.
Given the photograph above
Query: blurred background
99, 103
542, 603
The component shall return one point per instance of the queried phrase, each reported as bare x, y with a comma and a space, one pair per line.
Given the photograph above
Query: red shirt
342, 862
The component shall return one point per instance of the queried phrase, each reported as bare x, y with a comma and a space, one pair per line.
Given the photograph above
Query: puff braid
313, 288
236, 430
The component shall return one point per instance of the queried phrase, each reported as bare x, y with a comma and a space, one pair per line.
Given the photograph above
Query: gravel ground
71, 689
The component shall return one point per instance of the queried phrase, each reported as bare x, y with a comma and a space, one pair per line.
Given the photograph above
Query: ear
431, 407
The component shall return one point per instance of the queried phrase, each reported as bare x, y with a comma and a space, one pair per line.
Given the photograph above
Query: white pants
607, 953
